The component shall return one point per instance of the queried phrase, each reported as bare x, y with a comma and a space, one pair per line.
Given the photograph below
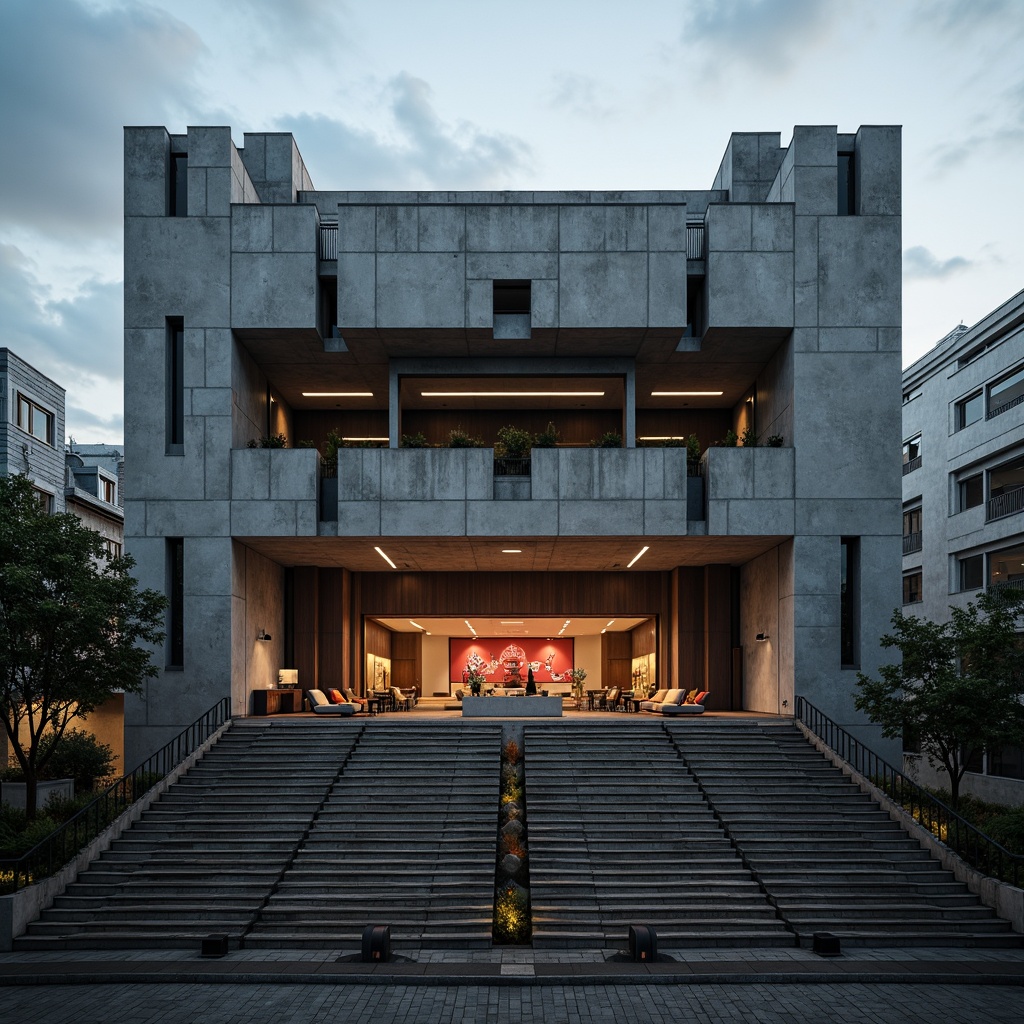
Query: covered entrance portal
674, 619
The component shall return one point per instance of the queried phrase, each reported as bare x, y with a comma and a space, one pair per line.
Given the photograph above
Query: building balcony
750, 491
911, 543
275, 492
1008, 503
456, 492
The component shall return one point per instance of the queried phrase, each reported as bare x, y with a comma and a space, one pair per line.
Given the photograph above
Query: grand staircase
619, 833
407, 838
298, 832
829, 858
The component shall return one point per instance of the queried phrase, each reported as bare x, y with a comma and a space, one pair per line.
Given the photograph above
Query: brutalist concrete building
963, 489
609, 327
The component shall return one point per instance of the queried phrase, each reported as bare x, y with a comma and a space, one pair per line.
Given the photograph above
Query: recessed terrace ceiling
486, 554
547, 627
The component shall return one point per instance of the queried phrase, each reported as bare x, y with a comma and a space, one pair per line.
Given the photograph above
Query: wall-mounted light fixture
263, 635
761, 637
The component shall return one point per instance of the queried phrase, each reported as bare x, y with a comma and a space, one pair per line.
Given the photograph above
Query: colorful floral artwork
500, 660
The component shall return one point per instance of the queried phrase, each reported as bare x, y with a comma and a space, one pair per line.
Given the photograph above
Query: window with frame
912, 454
1006, 393
969, 410
44, 499
1006, 568
113, 548
109, 491
175, 602
849, 602
970, 492
971, 572
912, 587
35, 420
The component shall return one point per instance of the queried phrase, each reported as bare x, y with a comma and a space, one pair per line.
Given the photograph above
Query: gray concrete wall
449, 492
594, 262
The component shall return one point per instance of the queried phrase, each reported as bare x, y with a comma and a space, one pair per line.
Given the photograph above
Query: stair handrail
65, 842
979, 850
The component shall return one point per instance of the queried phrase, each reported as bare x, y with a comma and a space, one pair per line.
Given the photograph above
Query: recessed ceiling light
667, 437
511, 551
636, 558
696, 394
366, 439
416, 624
385, 557
337, 394
512, 394
610, 622
511, 622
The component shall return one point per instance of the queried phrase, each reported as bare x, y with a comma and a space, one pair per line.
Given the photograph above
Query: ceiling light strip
512, 394
337, 394
690, 394
385, 557
636, 558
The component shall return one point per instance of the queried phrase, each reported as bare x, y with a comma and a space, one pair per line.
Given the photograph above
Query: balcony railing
328, 241
1006, 585
1006, 406
959, 835
912, 464
911, 543
1005, 504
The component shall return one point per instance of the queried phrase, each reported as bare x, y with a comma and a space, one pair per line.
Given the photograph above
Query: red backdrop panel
551, 660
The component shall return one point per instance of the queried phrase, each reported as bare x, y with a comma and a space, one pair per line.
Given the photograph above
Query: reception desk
511, 707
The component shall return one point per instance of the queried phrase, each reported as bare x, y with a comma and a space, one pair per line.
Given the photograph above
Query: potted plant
459, 438
577, 675
611, 439
547, 438
476, 683
513, 443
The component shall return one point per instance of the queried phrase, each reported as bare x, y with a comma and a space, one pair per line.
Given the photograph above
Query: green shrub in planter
513, 443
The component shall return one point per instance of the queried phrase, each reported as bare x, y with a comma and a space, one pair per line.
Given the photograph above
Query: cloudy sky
539, 94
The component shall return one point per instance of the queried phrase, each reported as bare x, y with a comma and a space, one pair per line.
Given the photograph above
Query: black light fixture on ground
376, 943
643, 943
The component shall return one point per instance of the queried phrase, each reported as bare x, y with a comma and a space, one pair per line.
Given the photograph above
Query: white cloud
420, 150
920, 262
579, 95
772, 34
71, 76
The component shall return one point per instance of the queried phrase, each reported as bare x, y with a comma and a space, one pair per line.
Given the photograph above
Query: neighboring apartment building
32, 428
80, 479
256, 306
963, 487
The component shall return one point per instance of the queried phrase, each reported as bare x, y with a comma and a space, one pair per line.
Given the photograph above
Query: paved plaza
513, 985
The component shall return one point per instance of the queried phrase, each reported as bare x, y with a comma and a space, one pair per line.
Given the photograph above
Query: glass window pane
1006, 394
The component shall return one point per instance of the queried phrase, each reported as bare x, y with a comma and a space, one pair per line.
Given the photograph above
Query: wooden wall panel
331, 628
405, 660
575, 426
507, 593
718, 637
688, 619
710, 425
306, 624
616, 657
315, 425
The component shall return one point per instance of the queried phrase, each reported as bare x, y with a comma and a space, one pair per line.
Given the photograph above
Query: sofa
320, 705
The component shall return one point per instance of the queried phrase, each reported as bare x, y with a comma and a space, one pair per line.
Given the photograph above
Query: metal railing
695, 241
512, 467
1005, 407
911, 543
911, 464
1006, 585
979, 850
1005, 504
328, 241
60, 846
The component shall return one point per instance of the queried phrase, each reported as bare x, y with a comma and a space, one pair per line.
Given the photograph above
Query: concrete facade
963, 484
262, 307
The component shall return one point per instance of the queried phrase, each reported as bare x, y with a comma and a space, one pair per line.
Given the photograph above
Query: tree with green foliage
960, 685
71, 624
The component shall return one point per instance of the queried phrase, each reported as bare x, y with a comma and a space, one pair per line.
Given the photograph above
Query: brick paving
515, 985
